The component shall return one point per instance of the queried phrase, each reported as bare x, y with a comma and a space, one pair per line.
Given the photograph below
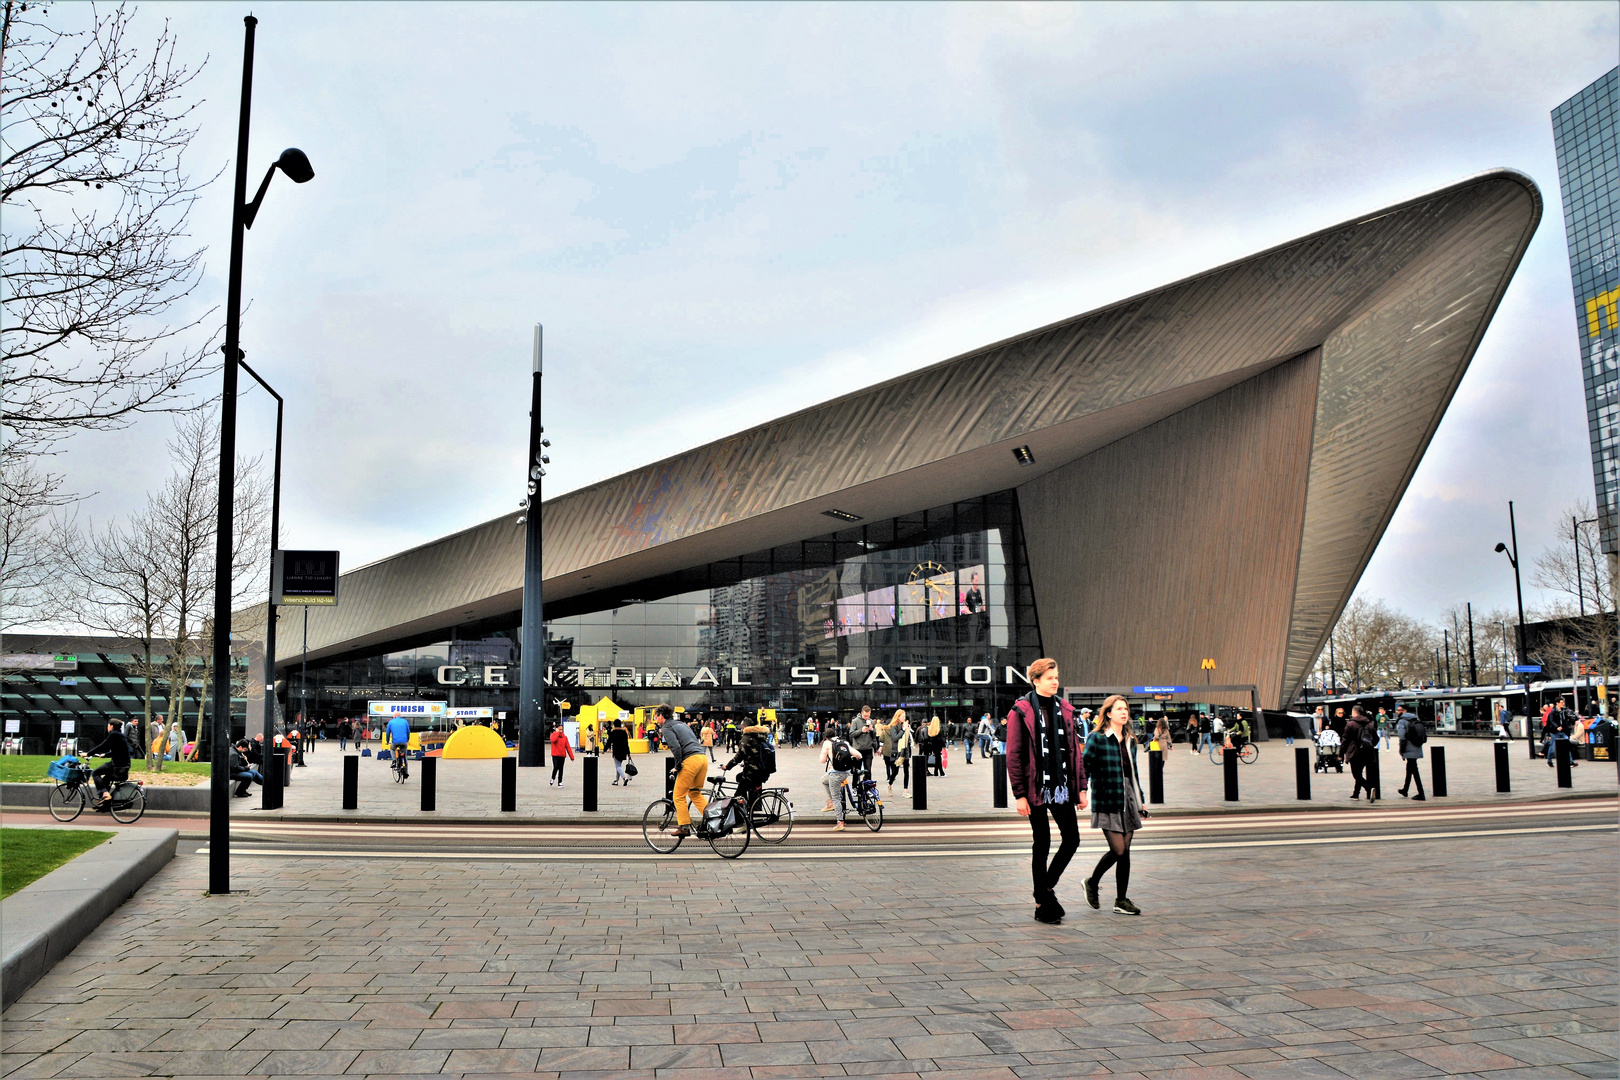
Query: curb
45, 921
191, 800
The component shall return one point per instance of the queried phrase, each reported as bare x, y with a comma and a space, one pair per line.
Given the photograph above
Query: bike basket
63, 768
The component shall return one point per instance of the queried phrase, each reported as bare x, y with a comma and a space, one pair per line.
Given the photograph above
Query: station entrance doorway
1182, 706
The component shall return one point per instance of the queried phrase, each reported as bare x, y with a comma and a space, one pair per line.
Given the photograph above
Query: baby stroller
1328, 755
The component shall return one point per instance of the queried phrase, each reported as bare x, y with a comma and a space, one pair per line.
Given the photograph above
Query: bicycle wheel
872, 814
66, 801
733, 842
771, 817
128, 803
1249, 753
658, 827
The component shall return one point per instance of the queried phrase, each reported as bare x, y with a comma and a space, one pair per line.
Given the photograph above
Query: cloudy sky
725, 213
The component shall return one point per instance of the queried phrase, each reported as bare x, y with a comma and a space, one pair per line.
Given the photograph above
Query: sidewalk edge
45, 921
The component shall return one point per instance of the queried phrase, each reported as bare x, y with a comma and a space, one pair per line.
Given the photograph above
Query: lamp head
296, 165
1501, 547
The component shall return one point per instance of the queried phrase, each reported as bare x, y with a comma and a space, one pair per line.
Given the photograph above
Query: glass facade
1585, 132
932, 610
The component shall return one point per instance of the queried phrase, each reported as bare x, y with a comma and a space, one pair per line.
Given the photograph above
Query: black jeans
557, 763
1358, 773
866, 762
1046, 874
1413, 776
891, 765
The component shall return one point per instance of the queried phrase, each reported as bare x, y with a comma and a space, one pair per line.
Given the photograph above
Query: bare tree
94, 208
1375, 645
115, 585
29, 592
1576, 574
151, 579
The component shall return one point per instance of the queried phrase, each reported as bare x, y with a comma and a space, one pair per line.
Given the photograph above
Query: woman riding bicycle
691, 772
750, 779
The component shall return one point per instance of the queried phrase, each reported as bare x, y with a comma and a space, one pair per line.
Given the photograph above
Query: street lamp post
1580, 587
1518, 591
270, 794
532, 658
298, 170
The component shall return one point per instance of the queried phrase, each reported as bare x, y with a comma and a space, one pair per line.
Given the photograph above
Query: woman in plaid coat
1115, 807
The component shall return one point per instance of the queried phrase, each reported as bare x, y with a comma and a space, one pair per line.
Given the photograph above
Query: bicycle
396, 762
68, 799
1248, 753
864, 799
725, 825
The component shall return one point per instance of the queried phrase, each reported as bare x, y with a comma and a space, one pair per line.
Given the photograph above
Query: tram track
813, 838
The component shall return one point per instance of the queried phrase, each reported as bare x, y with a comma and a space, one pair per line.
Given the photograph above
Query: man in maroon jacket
1048, 778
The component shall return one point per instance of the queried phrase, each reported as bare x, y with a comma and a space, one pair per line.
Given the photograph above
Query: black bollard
670, 769
271, 792
919, 783
1562, 756
1437, 771
430, 783
587, 768
998, 776
1229, 761
1504, 783
1155, 777
508, 784
1302, 773
351, 782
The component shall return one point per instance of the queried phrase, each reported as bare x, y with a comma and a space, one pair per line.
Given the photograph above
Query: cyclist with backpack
840, 760
1412, 733
757, 756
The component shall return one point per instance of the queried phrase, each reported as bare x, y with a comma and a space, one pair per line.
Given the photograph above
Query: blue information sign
1159, 689
1527, 669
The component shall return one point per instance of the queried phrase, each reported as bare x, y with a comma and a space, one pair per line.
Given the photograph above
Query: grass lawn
30, 768
27, 855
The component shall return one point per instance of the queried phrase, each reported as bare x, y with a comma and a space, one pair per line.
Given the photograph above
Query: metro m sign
308, 578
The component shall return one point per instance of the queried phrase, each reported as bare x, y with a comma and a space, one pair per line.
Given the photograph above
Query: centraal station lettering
664, 678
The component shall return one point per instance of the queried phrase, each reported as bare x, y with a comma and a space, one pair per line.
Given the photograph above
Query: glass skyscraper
1588, 141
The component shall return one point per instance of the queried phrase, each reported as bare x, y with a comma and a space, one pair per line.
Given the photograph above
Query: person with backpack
1360, 745
839, 759
757, 756
1048, 779
1412, 733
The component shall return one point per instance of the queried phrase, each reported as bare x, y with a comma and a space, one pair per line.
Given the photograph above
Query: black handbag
630, 769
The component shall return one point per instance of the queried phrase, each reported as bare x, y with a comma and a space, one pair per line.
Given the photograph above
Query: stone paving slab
1422, 958
471, 789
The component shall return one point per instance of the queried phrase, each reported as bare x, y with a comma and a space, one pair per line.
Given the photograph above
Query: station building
1198, 472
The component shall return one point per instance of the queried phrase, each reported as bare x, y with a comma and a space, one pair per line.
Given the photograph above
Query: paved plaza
1192, 783
1477, 956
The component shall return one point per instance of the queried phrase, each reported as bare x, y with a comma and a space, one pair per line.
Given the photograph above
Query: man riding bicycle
692, 768
399, 737
116, 749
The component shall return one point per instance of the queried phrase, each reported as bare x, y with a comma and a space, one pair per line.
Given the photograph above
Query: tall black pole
267, 802
219, 801
1473, 660
1518, 590
532, 658
1575, 534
